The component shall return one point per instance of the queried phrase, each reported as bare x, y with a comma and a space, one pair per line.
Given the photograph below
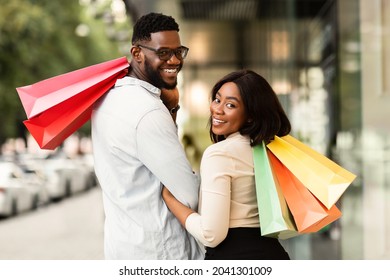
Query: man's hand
170, 98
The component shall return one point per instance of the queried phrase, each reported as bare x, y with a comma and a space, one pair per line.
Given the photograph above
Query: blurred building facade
329, 61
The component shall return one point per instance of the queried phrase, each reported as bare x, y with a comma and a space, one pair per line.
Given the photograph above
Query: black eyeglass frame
180, 52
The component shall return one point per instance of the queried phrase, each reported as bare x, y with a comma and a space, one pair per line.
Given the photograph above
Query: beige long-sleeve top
227, 195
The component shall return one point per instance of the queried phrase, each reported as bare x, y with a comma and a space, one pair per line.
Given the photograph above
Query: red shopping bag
39, 97
58, 106
310, 215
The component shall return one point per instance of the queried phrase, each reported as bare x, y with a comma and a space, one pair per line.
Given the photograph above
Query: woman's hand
178, 209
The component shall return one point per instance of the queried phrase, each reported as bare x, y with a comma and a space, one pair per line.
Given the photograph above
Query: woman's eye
230, 105
216, 100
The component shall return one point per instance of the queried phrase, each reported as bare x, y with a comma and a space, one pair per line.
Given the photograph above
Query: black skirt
247, 244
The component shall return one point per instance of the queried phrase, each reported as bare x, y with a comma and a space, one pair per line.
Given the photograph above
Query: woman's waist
252, 222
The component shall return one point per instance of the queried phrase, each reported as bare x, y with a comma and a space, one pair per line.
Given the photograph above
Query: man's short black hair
152, 23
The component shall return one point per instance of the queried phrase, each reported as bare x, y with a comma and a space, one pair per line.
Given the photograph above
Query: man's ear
136, 54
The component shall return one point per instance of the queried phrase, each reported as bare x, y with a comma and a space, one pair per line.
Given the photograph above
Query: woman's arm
179, 210
211, 224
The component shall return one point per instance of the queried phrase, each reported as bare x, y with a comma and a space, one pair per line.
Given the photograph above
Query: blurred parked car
74, 176
63, 176
37, 182
18, 193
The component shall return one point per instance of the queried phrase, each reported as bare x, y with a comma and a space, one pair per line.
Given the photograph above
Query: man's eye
163, 52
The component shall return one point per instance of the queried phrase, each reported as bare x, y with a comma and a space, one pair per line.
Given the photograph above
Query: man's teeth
170, 70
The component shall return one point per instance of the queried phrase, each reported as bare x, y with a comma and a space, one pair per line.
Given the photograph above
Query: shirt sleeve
160, 150
211, 224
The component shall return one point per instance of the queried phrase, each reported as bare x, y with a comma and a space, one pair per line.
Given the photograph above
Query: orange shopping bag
310, 215
58, 106
324, 178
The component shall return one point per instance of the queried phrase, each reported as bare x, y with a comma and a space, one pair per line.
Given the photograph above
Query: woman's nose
217, 108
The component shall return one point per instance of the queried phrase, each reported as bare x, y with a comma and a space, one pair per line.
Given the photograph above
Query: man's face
161, 73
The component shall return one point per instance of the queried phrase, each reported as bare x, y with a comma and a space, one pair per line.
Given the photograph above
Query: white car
65, 177
17, 192
71, 177
37, 182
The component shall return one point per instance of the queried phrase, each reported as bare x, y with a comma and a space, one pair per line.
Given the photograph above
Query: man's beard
156, 79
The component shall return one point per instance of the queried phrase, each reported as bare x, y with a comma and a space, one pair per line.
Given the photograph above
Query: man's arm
162, 153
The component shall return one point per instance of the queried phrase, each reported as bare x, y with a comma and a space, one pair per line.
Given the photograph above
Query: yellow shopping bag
324, 178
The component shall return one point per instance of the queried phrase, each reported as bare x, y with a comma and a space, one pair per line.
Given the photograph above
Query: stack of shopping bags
59, 106
297, 188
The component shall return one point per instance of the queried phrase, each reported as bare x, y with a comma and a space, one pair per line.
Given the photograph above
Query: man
136, 150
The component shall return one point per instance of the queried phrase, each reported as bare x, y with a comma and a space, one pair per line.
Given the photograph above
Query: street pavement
71, 229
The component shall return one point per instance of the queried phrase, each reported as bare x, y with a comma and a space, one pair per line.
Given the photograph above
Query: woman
244, 112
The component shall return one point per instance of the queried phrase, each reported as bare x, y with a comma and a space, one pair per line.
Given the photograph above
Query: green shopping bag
275, 217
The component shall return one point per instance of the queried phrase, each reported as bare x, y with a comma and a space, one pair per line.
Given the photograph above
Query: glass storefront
329, 61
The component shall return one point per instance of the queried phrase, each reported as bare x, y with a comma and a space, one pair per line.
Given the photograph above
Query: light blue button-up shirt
136, 149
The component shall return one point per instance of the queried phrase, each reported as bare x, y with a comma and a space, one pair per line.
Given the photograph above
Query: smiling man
137, 149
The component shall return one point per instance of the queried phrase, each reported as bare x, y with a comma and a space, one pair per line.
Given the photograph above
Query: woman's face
227, 110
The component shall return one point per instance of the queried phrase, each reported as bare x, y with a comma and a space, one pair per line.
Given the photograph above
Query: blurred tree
44, 38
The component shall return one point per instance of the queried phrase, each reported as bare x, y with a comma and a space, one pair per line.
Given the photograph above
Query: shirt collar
235, 134
134, 81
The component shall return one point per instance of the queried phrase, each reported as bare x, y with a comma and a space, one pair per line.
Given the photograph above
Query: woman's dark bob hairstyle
266, 117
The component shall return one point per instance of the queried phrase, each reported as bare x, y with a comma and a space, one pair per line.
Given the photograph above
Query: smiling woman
227, 110
245, 111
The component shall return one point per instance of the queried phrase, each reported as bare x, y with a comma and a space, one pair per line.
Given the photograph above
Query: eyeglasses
166, 54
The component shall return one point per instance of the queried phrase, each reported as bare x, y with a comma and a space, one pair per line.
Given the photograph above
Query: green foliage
38, 41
